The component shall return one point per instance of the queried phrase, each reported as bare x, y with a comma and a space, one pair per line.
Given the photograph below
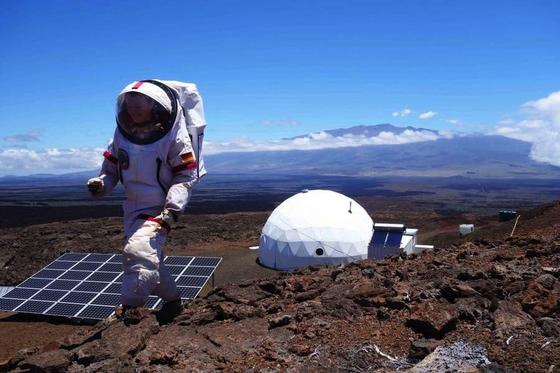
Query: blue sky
273, 69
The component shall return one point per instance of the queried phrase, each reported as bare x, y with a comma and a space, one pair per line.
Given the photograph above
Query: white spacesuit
152, 155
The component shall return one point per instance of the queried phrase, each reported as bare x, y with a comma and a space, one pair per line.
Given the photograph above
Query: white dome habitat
315, 227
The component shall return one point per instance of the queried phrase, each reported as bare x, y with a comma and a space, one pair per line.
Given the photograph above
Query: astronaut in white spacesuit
152, 155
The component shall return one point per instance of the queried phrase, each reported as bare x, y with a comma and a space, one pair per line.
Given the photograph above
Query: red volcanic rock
510, 319
51, 361
542, 297
433, 320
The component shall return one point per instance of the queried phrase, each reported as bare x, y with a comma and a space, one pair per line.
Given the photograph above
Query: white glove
95, 186
167, 219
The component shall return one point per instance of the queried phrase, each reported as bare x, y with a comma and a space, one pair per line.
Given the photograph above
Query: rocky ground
24, 250
486, 304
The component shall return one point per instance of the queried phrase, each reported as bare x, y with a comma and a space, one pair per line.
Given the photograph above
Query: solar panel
88, 286
385, 241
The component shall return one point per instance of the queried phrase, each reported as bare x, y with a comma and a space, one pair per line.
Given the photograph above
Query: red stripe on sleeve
137, 85
108, 156
182, 167
154, 219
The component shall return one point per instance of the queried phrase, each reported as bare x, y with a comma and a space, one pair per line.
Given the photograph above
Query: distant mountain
367, 130
473, 156
73, 178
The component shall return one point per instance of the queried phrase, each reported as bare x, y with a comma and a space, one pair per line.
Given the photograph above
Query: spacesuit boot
169, 311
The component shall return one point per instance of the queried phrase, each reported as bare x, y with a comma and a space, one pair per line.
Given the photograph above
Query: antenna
350, 208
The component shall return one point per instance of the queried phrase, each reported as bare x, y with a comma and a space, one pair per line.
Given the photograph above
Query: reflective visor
141, 119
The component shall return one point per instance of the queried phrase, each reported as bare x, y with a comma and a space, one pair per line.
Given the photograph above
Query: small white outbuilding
465, 229
315, 227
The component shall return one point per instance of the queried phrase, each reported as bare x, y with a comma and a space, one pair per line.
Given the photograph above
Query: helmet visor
141, 119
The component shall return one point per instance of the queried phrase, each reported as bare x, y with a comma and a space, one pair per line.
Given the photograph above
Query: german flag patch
187, 163
187, 158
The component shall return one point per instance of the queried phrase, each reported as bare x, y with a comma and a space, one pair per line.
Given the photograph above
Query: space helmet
146, 111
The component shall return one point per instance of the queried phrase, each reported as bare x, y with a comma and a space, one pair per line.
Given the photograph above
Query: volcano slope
501, 296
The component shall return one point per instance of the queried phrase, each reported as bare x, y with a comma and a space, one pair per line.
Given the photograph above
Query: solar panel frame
65, 287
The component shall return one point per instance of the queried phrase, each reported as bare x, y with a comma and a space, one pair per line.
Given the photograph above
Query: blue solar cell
394, 239
98, 258
75, 275
205, 261
10, 304
116, 259
21, 293
62, 285
91, 286
103, 276
78, 297
34, 283
74, 257
64, 309
33, 306
198, 271
107, 299
60, 265
191, 281
152, 302
178, 260
86, 266
379, 238
114, 288
175, 270
188, 292
51, 295
96, 312
111, 267
48, 273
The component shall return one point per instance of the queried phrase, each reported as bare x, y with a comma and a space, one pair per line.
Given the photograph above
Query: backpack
193, 110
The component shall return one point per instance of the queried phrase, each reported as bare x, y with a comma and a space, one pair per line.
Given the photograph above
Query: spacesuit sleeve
109, 169
183, 164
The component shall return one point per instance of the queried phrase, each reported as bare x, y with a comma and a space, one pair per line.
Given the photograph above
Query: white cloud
541, 128
20, 159
403, 113
28, 161
320, 140
427, 115
547, 107
32, 135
